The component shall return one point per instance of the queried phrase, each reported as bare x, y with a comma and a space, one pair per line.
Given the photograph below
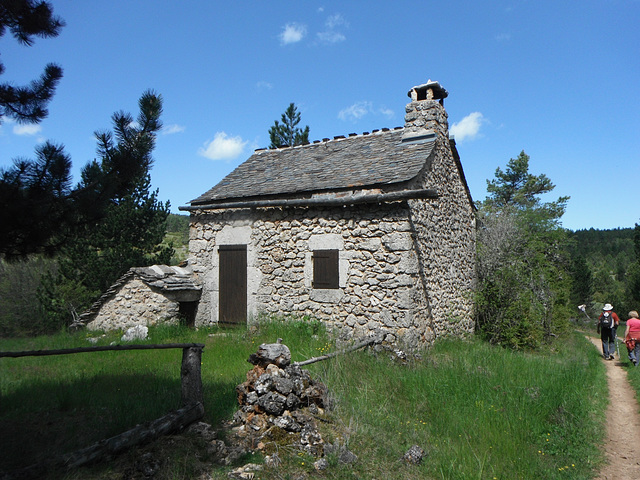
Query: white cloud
331, 34
503, 37
355, 111
174, 128
360, 109
336, 21
331, 37
222, 147
262, 85
387, 112
28, 130
292, 33
468, 127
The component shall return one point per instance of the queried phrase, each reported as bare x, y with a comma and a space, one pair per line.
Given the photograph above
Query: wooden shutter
325, 269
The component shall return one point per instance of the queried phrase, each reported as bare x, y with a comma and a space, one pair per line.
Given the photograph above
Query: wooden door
233, 284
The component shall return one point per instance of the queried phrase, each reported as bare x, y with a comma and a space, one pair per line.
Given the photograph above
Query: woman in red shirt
632, 337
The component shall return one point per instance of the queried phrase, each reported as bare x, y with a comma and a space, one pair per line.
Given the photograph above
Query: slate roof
167, 278
163, 277
377, 159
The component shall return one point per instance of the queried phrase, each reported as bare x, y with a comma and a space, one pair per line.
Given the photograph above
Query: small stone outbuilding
368, 232
146, 296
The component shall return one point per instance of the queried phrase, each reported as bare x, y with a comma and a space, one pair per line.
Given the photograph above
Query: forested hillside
178, 235
608, 260
616, 244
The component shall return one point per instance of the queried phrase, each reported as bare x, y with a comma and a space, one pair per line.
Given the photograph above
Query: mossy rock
276, 438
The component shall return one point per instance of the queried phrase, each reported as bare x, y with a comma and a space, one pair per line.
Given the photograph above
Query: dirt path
622, 448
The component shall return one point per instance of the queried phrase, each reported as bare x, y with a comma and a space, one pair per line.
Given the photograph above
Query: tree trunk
105, 449
357, 346
171, 422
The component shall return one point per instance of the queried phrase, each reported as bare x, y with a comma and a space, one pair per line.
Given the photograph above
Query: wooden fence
190, 373
191, 410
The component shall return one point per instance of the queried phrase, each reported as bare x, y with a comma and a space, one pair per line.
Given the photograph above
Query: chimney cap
420, 92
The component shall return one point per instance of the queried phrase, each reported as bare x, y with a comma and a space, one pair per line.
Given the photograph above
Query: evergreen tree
633, 280
636, 241
31, 193
582, 282
523, 286
35, 196
610, 256
130, 232
27, 19
517, 189
287, 133
42, 212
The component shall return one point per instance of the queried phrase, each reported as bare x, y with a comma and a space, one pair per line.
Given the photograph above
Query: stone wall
445, 233
134, 303
445, 230
381, 284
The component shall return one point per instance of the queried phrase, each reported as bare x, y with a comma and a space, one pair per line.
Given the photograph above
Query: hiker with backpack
607, 325
632, 337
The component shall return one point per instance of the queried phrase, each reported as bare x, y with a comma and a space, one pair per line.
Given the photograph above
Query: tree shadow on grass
50, 418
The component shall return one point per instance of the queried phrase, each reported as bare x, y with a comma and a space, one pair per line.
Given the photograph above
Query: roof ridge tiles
377, 131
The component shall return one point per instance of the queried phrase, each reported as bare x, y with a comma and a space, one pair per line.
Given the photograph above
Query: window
325, 269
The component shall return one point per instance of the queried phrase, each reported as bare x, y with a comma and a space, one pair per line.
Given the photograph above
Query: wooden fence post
190, 376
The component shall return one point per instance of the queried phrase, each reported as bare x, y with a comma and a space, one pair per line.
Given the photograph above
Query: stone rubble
414, 455
280, 407
279, 404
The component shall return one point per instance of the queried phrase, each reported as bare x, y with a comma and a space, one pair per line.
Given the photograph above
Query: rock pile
279, 403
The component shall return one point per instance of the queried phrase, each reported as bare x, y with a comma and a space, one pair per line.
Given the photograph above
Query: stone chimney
426, 116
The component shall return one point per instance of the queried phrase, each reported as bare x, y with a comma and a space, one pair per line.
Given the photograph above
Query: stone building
365, 232
146, 296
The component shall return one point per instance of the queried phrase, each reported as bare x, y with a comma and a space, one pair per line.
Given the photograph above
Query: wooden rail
192, 409
190, 373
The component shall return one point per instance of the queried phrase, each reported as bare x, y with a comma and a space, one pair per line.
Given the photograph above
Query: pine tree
581, 282
517, 189
32, 192
131, 231
27, 19
36, 203
633, 275
287, 133
523, 287
41, 210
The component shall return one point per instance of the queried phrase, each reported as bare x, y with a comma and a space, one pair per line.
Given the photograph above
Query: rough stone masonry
279, 404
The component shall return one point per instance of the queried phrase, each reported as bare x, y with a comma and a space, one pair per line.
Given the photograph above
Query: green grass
633, 373
478, 411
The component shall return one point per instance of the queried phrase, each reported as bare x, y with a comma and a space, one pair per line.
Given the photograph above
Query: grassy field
480, 412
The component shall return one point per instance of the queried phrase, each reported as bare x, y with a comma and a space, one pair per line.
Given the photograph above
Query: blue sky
557, 79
